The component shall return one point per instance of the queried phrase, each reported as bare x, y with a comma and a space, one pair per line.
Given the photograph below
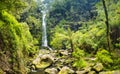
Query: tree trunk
70, 39
107, 26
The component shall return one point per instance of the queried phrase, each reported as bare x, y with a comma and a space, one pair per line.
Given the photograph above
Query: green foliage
113, 8
33, 17
14, 33
59, 38
116, 63
16, 39
9, 30
63, 38
35, 27
72, 10
78, 53
118, 43
79, 61
14, 7
90, 38
104, 57
90, 35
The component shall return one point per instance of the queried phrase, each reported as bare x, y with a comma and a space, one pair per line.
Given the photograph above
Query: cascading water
44, 13
44, 33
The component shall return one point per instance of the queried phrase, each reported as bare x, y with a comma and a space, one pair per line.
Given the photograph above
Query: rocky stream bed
60, 62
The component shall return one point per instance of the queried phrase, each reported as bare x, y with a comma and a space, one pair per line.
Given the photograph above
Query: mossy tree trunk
107, 25
70, 39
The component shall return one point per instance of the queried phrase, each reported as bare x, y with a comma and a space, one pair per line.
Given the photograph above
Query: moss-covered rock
98, 67
66, 70
80, 72
43, 61
92, 72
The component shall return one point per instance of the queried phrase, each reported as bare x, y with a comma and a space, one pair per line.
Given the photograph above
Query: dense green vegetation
79, 26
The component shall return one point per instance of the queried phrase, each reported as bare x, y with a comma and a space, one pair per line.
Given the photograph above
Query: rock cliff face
60, 62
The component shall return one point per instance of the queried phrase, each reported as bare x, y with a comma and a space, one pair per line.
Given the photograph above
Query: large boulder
66, 70
98, 67
43, 61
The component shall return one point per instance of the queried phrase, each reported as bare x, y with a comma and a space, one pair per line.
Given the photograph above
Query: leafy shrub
116, 64
89, 40
79, 61
78, 53
59, 38
118, 44
104, 57
116, 59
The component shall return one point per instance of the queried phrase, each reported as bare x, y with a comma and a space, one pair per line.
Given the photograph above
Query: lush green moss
15, 38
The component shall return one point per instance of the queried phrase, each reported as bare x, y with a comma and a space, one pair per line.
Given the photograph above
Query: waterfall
44, 33
46, 7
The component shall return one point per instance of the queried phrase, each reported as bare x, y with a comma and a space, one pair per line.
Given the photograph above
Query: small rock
116, 72
104, 72
87, 69
92, 72
47, 56
51, 71
110, 72
40, 71
66, 70
63, 52
80, 72
98, 67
